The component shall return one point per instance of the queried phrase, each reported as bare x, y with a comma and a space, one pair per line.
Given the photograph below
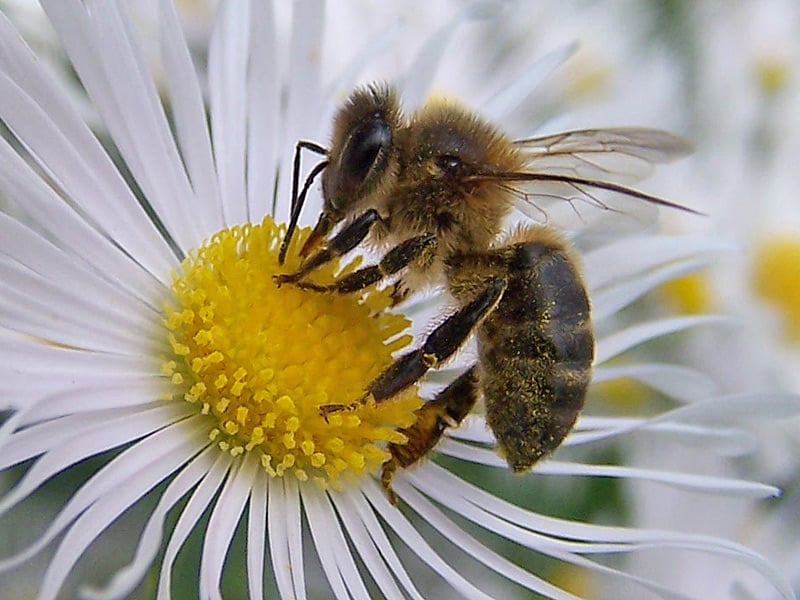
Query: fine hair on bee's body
434, 191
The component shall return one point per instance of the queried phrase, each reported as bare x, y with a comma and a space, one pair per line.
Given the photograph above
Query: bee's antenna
299, 199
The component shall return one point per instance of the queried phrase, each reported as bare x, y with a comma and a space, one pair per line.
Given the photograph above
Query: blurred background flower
723, 75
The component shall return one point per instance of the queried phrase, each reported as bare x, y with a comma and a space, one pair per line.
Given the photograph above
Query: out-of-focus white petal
613, 344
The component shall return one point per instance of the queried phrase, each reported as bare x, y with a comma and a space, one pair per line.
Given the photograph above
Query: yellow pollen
776, 278
260, 360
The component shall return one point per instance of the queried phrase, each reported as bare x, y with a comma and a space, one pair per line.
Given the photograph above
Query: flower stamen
260, 360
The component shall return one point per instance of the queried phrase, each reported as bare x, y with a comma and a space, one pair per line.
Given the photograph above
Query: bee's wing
624, 154
578, 179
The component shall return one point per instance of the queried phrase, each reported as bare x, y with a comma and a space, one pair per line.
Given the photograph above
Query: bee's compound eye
366, 149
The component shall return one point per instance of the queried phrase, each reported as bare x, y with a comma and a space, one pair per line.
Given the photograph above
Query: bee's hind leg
440, 345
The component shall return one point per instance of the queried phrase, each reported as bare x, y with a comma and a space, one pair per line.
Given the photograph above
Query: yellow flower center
260, 360
776, 277
690, 294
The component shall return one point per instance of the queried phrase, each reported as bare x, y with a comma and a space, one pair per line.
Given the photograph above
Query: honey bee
434, 190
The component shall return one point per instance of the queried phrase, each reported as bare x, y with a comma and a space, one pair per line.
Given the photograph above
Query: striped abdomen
536, 348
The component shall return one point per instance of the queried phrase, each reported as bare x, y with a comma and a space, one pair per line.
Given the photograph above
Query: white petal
81, 319
479, 551
334, 554
370, 539
164, 460
126, 579
419, 75
610, 346
629, 257
222, 525
106, 479
191, 126
283, 517
304, 91
66, 442
448, 488
676, 381
65, 227
227, 77
100, 43
516, 91
724, 442
256, 536
194, 509
263, 112
25, 246
49, 127
680, 480
614, 298
411, 537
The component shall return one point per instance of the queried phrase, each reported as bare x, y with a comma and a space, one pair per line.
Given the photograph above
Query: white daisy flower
142, 328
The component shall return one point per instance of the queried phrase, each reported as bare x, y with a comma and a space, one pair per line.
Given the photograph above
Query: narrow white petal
723, 442
332, 549
93, 397
72, 233
378, 534
629, 257
225, 517
611, 345
256, 536
28, 248
304, 99
64, 443
347, 78
680, 480
278, 520
101, 483
126, 579
479, 551
102, 48
41, 115
365, 546
194, 509
263, 112
613, 298
82, 319
415, 542
227, 78
447, 488
676, 381
294, 535
189, 114
99, 516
